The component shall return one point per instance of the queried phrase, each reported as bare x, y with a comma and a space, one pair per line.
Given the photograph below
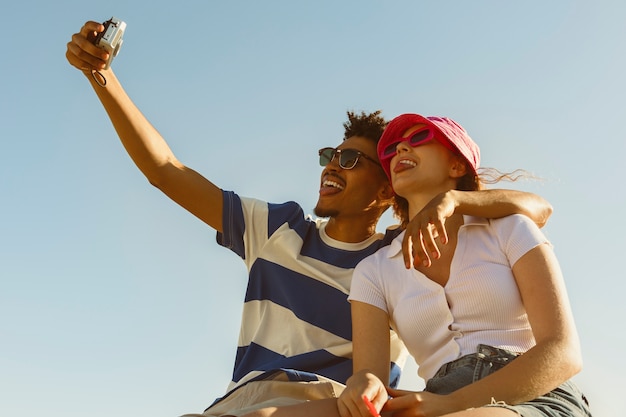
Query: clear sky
115, 301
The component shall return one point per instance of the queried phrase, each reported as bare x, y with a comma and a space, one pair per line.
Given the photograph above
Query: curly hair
369, 126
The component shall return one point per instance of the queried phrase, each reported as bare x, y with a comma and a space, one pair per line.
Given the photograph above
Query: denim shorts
564, 401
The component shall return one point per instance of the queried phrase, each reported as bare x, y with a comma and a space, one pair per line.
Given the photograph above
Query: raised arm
419, 245
142, 141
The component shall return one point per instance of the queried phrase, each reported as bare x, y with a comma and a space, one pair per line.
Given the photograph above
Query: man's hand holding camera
93, 48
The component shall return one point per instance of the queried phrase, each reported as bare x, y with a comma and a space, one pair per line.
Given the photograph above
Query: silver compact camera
110, 39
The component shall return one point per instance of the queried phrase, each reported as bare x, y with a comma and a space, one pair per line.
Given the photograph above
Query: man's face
351, 192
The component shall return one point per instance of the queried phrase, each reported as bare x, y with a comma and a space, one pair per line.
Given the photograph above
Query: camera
110, 39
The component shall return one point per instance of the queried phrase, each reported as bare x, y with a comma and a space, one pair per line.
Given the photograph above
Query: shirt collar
395, 248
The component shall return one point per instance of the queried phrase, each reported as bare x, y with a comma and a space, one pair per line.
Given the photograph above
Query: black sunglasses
347, 157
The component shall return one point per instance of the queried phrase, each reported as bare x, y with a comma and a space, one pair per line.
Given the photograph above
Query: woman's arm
370, 338
554, 359
556, 356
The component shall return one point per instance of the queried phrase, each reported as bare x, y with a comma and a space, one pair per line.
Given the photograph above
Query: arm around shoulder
419, 245
500, 202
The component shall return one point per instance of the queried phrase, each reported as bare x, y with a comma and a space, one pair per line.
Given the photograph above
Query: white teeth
408, 162
328, 183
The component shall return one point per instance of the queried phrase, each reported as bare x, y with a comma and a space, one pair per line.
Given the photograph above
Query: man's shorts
271, 393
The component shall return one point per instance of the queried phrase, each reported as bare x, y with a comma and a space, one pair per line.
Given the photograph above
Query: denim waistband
566, 399
483, 352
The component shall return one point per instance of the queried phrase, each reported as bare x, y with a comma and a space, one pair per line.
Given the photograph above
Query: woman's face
422, 168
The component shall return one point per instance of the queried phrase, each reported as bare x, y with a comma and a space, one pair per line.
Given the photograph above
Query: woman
493, 296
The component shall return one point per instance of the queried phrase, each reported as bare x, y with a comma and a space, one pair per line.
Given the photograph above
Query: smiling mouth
333, 184
404, 164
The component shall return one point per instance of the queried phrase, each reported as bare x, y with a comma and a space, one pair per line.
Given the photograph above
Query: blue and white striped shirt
296, 319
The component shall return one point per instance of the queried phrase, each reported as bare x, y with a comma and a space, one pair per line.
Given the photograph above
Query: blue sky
115, 301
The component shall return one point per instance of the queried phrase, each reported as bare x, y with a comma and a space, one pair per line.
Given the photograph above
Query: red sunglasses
417, 138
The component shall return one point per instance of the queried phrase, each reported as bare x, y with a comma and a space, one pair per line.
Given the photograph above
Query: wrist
456, 196
456, 402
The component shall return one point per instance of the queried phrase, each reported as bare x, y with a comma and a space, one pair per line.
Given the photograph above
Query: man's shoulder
288, 211
391, 233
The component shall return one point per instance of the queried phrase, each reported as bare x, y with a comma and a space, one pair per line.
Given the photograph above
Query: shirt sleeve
366, 283
518, 235
245, 224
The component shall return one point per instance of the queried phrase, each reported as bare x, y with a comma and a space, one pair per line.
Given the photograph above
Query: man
295, 341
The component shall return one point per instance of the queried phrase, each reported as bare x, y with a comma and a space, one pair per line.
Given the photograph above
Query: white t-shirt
480, 303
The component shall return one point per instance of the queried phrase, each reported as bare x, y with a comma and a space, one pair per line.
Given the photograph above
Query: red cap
451, 130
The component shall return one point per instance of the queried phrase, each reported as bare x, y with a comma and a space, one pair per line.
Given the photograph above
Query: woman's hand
418, 404
362, 384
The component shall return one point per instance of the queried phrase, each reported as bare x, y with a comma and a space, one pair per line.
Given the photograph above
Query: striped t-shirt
296, 318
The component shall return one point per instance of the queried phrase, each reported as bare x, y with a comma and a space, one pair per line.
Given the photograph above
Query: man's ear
458, 168
386, 192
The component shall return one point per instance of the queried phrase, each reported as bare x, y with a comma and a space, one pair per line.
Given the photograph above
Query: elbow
156, 179
155, 183
562, 359
162, 176
572, 361
576, 364
545, 214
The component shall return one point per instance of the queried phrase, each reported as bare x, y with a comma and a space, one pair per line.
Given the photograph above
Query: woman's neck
418, 201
